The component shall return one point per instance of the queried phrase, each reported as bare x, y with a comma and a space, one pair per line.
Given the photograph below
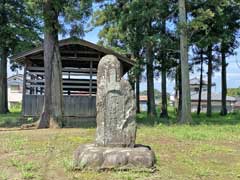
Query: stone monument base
92, 157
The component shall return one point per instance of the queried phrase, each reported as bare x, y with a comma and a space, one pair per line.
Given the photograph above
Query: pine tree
18, 31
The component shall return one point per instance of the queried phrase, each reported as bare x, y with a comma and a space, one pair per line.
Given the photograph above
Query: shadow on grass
14, 119
80, 124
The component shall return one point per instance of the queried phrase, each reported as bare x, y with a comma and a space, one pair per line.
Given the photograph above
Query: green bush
16, 107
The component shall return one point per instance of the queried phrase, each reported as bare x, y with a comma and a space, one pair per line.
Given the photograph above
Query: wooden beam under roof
79, 52
71, 81
64, 73
64, 87
65, 69
66, 58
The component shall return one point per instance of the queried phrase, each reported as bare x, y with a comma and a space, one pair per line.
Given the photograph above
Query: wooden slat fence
76, 106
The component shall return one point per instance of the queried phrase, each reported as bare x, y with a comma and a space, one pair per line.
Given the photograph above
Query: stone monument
115, 146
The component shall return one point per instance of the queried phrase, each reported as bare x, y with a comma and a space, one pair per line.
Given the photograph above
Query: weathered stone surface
114, 160
142, 158
91, 158
115, 146
94, 157
116, 109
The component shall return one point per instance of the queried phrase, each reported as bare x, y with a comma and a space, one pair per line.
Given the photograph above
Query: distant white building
216, 98
195, 83
15, 89
143, 103
143, 99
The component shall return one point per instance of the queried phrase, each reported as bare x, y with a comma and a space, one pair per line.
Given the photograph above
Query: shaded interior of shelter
79, 78
79, 69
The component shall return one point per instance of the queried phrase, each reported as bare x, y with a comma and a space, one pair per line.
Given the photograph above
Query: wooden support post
31, 88
24, 90
90, 85
42, 78
69, 92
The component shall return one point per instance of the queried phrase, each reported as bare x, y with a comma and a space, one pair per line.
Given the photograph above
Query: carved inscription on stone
116, 124
113, 131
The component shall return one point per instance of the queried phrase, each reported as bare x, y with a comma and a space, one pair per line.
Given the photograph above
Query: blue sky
233, 70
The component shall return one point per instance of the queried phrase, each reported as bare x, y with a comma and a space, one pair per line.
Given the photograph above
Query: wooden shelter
80, 60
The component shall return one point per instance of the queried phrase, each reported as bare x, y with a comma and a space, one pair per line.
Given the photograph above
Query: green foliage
19, 30
214, 21
72, 15
16, 107
3, 175
27, 169
235, 92
129, 25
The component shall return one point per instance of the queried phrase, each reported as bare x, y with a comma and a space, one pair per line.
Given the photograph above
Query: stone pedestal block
92, 157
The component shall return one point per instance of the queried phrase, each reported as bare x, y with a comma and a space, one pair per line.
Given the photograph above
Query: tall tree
201, 83
218, 24
168, 62
124, 20
185, 115
164, 111
209, 85
3, 63
52, 114
3, 81
166, 48
73, 13
138, 76
179, 85
199, 60
138, 71
228, 25
150, 81
18, 31
224, 83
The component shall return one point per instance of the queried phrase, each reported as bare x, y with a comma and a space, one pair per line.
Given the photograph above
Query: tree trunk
209, 86
3, 64
179, 86
137, 80
224, 84
186, 101
164, 112
200, 85
131, 79
137, 92
176, 95
150, 83
3, 82
52, 114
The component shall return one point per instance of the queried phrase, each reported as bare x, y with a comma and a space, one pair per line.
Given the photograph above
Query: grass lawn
209, 149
